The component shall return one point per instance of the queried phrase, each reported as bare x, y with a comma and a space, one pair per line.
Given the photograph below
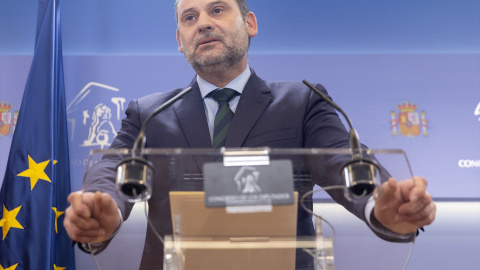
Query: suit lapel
191, 115
255, 98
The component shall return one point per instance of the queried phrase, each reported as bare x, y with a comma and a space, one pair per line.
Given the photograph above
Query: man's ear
180, 49
251, 21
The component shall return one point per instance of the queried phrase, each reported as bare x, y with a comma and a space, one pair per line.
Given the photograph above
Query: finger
80, 222
86, 237
109, 210
422, 218
108, 204
417, 205
419, 190
72, 196
82, 235
430, 218
388, 189
78, 207
98, 205
88, 198
405, 188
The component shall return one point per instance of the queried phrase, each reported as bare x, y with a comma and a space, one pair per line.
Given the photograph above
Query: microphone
361, 174
135, 174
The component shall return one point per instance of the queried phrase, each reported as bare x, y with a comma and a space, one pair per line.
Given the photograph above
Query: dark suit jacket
271, 114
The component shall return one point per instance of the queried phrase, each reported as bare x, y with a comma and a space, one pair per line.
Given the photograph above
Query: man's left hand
405, 206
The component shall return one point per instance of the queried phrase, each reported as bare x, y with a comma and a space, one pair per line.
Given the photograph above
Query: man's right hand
91, 217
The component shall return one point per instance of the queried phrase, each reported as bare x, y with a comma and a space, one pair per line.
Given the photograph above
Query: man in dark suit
214, 36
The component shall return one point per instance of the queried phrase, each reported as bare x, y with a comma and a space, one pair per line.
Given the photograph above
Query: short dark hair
242, 4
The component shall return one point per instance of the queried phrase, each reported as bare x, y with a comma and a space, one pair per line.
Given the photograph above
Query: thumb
387, 189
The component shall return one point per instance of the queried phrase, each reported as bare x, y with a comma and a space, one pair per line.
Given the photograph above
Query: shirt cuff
381, 230
96, 248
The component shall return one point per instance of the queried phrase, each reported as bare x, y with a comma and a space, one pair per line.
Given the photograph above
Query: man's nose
205, 23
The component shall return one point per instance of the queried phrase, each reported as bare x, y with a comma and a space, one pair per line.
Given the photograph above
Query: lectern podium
245, 209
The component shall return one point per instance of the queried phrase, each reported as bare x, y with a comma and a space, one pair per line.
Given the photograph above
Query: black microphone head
362, 176
134, 179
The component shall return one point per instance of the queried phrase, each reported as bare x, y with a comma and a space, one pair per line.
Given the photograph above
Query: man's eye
217, 10
189, 18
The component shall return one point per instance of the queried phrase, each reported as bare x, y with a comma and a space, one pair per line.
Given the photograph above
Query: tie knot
223, 95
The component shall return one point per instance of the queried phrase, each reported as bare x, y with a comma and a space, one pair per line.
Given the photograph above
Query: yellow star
58, 268
9, 268
9, 220
57, 214
35, 171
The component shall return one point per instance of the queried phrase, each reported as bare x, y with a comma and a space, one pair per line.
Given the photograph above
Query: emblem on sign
247, 180
408, 121
272, 183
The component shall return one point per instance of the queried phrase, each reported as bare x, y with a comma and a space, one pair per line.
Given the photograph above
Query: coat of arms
408, 121
7, 121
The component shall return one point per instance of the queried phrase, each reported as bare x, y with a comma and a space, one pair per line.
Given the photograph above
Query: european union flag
34, 192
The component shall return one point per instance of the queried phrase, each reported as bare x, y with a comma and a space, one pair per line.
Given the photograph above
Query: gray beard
229, 57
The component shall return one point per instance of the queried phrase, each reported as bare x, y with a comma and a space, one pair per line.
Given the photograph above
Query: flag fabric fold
33, 196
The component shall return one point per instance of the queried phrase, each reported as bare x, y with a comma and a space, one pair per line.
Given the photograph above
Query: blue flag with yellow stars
33, 197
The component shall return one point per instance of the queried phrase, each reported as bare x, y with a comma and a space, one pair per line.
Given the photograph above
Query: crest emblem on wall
7, 120
408, 122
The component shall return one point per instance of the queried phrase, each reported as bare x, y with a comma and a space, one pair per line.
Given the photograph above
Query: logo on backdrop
469, 163
93, 115
408, 121
8, 119
477, 111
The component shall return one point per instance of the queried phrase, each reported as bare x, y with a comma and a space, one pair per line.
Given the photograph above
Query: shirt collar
237, 84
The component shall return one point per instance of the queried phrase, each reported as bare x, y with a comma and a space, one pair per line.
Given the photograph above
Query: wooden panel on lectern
192, 220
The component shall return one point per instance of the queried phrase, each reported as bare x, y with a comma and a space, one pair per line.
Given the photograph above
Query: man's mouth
207, 41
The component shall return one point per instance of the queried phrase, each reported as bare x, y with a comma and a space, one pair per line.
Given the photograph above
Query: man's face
213, 33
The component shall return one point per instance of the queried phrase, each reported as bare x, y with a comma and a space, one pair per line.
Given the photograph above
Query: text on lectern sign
248, 185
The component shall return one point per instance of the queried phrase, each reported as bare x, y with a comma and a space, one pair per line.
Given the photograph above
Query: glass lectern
255, 208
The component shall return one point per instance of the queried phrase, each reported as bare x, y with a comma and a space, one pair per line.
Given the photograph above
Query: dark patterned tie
224, 115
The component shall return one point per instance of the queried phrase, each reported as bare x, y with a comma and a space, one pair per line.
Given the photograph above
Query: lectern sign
248, 185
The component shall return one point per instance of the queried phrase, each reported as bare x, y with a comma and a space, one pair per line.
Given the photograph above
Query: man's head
214, 35
242, 4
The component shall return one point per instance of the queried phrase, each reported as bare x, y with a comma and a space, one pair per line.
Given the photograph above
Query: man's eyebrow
186, 11
209, 5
